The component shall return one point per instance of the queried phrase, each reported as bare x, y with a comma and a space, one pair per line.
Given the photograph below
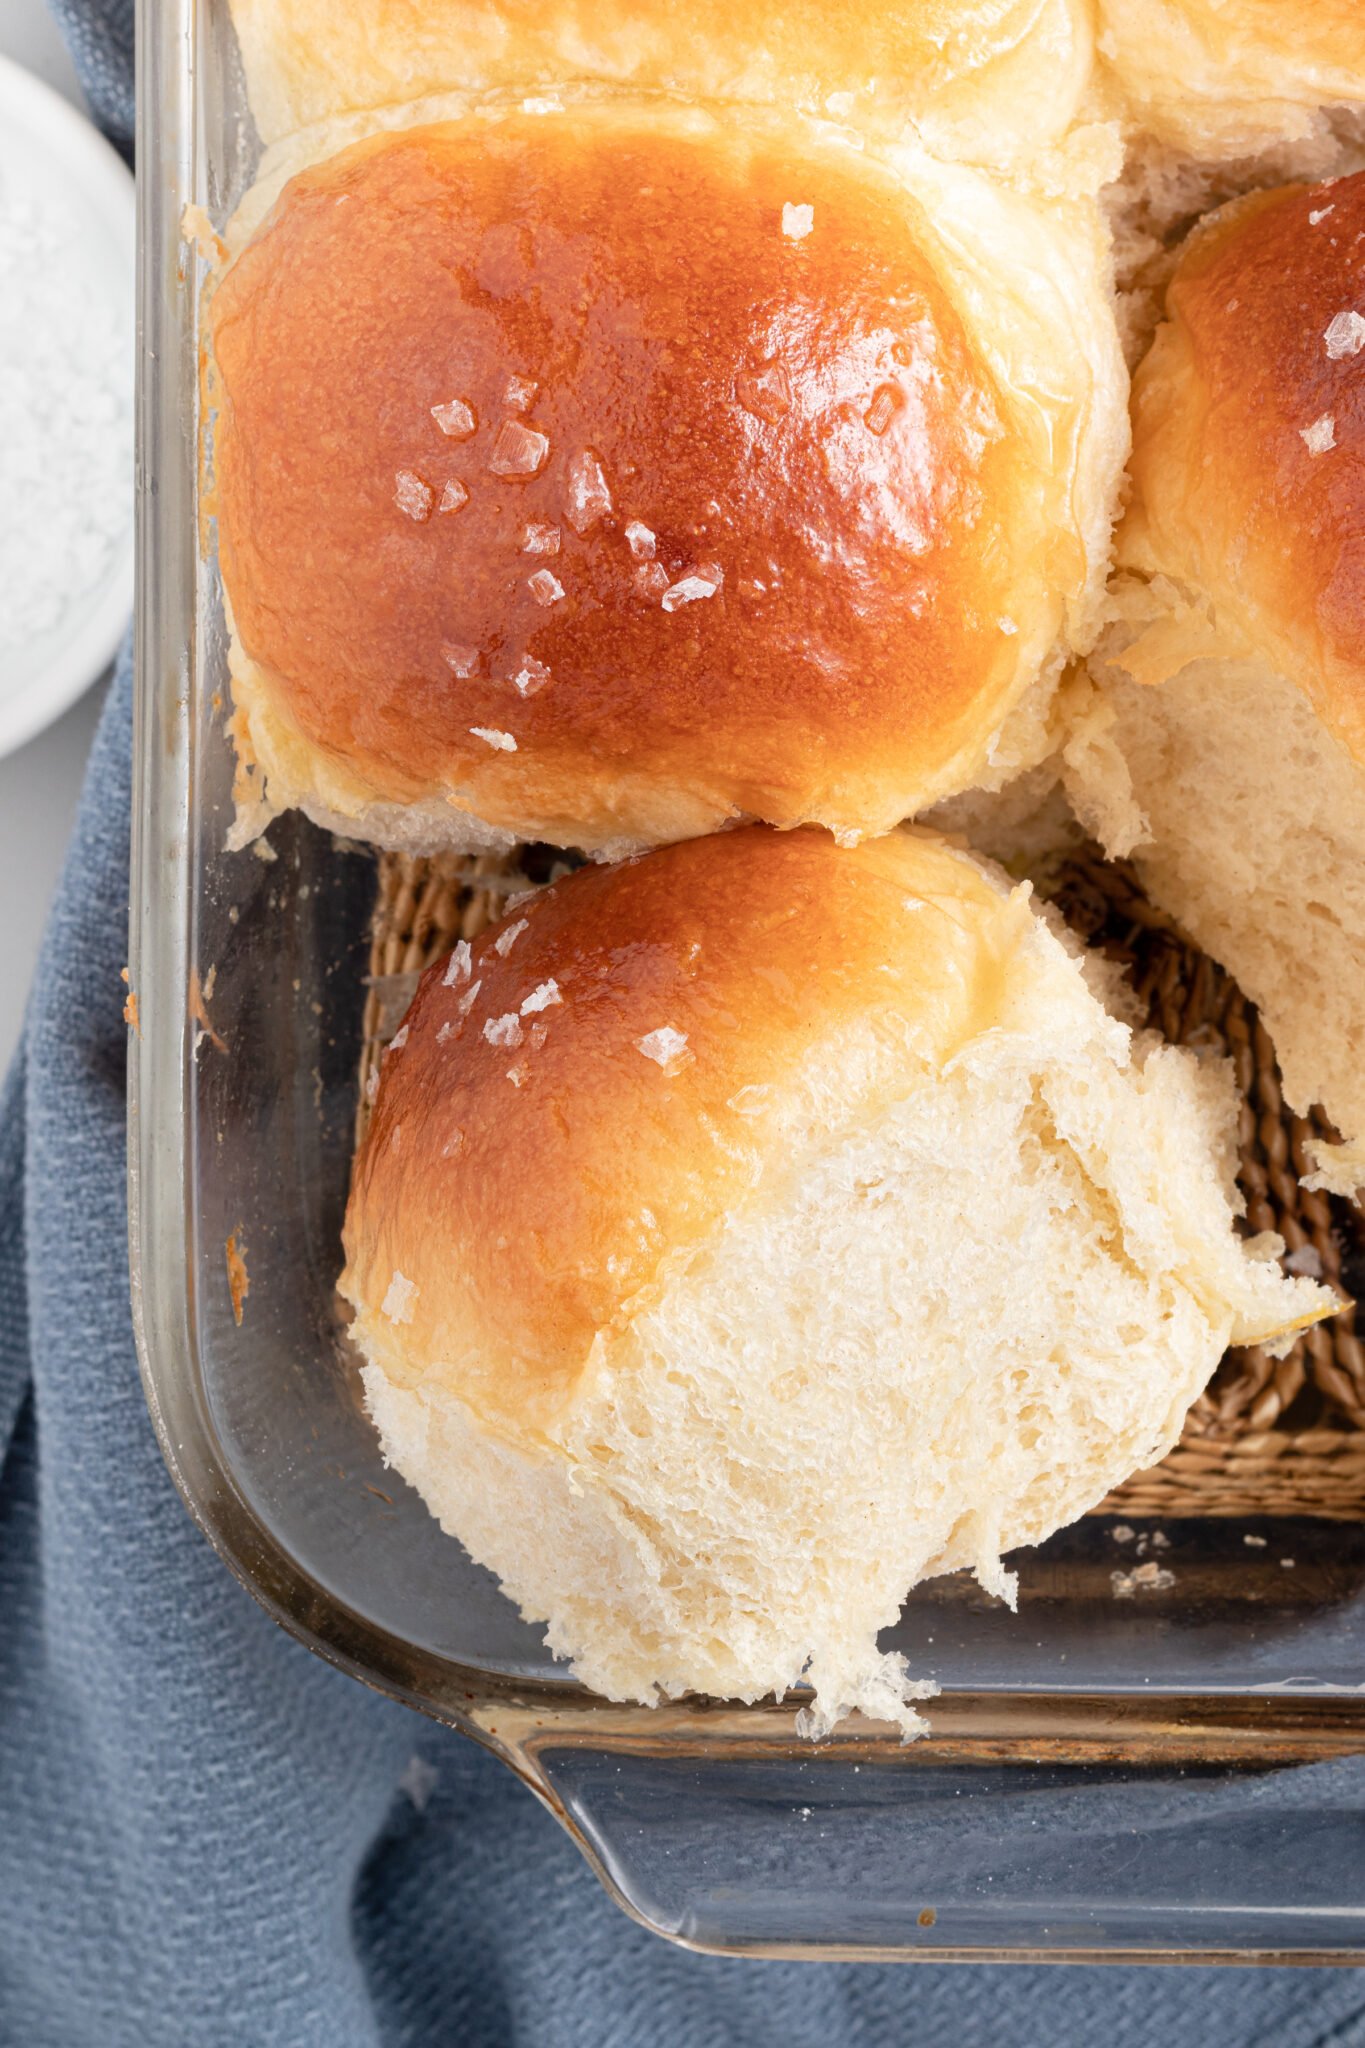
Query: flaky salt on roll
1235, 766
983, 78
607, 473
753, 1229
1229, 77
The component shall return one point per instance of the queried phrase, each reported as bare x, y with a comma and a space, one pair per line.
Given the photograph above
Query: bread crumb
1122, 1534
130, 1015
1146, 1578
263, 850
1255, 1542
1306, 1262
797, 221
197, 1007
1287, 1564
503, 742
198, 229
419, 1779
397, 1303
1321, 436
239, 1283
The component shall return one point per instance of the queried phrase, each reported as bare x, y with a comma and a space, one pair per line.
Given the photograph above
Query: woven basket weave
1268, 1436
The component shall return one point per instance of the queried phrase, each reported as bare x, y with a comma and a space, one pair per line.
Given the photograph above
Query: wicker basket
1268, 1436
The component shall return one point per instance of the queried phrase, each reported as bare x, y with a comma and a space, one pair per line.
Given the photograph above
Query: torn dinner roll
1229, 756
753, 1229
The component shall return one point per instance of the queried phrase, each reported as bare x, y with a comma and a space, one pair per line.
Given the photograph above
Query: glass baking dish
1055, 1809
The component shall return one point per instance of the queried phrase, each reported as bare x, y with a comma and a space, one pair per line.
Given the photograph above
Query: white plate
50, 153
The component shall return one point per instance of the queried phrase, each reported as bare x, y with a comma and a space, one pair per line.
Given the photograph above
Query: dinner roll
1224, 77
1235, 764
986, 78
752, 1229
606, 475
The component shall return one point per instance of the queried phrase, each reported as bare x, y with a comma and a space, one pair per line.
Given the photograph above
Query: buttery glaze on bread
752, 1229
1236, 763
607, 474
985, 78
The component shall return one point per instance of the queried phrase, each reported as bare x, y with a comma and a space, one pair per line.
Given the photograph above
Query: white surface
53, 162
39, 784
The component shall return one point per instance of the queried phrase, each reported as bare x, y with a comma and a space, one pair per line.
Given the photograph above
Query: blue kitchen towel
208, 1838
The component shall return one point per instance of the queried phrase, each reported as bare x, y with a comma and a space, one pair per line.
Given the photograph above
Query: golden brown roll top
1249, 445
981, 77
580, 1098
1222, 76
607, 474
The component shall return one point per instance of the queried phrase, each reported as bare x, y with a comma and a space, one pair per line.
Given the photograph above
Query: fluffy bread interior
928, 1335
1246, 817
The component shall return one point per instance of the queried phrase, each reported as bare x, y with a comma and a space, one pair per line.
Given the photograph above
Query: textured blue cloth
204, 1837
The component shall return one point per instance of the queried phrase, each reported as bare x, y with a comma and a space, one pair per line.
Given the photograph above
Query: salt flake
666, 1047
542, 998
453, 496
508, 936
640, 539
531, 677
502, 741
765, 392
704, 582
589, 493
462, 661
519, 450
1321, 436
519, 393
797, 221
1344, 335
503, 1030
458, 966
887, 401
455, 418
540, 540
412, 496
545, 588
